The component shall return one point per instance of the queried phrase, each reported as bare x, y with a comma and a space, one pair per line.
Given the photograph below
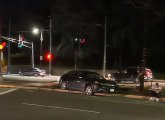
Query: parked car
148, 75
131, 74
33, 72
87, 82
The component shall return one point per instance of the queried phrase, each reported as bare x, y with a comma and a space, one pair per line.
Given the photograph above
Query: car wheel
88, 90
63, 85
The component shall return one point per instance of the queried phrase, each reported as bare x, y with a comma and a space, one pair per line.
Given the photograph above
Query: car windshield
36, 69
132, 71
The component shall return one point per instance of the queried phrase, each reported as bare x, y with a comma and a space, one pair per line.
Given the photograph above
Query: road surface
49, 105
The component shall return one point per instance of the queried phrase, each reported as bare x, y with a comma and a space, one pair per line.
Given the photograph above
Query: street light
105, 45
36, 31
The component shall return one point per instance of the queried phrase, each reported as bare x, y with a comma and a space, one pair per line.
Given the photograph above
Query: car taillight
148, 73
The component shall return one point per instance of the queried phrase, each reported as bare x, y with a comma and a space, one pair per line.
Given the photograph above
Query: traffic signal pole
24, 43
8, 65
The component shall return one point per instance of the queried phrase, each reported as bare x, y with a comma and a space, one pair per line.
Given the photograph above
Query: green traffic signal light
20, 45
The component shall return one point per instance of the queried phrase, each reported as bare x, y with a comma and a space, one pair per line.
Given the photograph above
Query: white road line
55, 107
7, 91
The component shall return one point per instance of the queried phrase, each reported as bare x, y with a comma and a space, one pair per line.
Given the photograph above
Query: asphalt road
19, 104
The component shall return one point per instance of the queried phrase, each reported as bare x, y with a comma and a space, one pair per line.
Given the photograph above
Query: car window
80, 76
96, 76
132, 71
72, 75
30, 69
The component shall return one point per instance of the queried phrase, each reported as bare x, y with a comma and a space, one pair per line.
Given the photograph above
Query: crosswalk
6, 90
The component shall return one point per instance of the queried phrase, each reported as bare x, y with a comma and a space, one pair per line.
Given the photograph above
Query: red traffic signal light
82, 41
2, 45
49, 56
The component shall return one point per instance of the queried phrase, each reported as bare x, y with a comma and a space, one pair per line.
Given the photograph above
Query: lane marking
56, 107
7, 91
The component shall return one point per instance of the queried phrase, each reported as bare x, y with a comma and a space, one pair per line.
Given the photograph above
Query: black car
128, 74
87, 82
131, 74
33, 72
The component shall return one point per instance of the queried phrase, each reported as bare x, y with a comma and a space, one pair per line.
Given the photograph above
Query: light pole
75, 52
105, 44
50, 46
36, 31
8, 65
32, 47
41, 55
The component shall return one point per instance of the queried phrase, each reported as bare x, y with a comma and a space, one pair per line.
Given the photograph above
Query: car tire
88, 90
63, 85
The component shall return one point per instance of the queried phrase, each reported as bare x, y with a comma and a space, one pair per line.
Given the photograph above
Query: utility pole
32, 57
0, 53
9, 34
41, 39
105, 44
144, 49
50, 46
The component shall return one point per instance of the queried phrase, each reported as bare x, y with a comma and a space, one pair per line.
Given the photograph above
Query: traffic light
82, 41
20, 41
20, 44
2, 45
49, 56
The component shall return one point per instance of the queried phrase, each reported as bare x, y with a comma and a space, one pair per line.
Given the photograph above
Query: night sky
131, 26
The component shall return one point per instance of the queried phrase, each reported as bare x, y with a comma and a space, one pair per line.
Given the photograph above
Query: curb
7, 86
75, 92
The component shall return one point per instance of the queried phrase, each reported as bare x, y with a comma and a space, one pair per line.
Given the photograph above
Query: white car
33, 72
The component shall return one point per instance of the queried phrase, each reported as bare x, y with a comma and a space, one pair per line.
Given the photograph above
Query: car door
70, 80
27, 72
30, 72
80, 82
77, 81
127, 75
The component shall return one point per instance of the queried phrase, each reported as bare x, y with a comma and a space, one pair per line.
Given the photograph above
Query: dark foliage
131, 26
